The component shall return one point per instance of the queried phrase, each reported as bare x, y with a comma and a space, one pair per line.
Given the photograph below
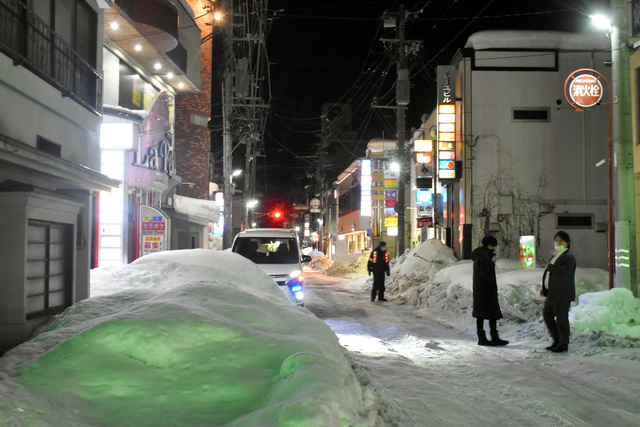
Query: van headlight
295, 273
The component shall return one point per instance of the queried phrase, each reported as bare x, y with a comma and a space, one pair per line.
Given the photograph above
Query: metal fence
30, 42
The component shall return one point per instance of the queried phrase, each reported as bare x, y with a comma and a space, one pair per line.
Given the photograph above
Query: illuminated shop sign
424, 158
446, 122
424, 197
423, 151
527, 252
423, 145
365, 187
153, 230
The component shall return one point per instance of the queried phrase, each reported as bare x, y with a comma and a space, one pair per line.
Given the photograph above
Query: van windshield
268, 250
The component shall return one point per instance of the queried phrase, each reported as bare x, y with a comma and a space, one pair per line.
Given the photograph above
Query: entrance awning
25, 164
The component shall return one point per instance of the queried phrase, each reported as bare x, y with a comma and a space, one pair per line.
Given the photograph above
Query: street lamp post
625, 242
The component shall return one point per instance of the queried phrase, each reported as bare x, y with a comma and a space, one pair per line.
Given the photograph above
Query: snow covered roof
205, 209
515, 39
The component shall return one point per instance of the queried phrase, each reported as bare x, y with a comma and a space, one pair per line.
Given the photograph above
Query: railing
33, 44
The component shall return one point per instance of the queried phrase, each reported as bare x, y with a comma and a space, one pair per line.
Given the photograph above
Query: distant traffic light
275, 214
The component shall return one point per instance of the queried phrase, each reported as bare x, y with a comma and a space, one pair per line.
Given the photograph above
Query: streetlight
601, 21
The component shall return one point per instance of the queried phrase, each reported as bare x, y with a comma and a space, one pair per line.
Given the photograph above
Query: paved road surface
430, 374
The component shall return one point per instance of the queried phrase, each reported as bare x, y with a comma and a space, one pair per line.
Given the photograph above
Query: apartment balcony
31, 43
158, 36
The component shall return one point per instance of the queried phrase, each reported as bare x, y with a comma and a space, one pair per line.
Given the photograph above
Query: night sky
330, 51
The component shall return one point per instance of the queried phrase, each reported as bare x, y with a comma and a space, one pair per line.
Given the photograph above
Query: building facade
151, 56
528, 159
51, 87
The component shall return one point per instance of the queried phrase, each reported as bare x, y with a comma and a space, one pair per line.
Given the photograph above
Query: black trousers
493, 326
378, 285
556, 317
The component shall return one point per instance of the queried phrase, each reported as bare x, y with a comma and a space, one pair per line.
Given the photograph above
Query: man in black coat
485, 292
379, 265
559, 288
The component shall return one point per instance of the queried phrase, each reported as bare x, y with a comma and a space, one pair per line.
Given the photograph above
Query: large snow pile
346, 267
444, 288
191, 337
320, 263
615, 311
413, 271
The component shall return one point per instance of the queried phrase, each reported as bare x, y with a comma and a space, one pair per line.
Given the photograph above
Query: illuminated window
199, 120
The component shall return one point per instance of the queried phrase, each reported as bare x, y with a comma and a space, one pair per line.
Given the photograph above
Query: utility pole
625, 245
227, 136
402, 100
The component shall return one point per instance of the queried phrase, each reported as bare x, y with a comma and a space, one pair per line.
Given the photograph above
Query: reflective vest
375, 258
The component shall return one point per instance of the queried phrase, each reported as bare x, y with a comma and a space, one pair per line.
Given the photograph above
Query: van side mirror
306, 258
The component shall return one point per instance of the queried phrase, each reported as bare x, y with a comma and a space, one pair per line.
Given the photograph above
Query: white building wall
111, 73
32, 107
539, 163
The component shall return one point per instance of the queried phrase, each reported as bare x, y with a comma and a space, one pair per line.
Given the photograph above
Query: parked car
276, 252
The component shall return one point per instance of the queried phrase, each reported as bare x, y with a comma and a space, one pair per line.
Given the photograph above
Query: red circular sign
585, 90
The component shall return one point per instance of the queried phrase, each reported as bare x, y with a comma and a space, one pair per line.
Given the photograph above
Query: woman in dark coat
485, 292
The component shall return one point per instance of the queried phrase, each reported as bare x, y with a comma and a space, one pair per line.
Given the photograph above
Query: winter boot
496, 341
482, 339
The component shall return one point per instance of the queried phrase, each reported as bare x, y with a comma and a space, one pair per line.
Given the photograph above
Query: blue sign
424, 197
390, 194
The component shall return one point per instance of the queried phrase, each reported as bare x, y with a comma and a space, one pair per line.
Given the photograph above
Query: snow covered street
430, 373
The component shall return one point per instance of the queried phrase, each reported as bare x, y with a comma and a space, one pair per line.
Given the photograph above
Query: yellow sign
390, 183
446, 109
423, 145
446, 136
447, 146
391, 222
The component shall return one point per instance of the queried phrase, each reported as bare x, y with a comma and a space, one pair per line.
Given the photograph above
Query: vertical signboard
446, 122
153, 230
527, 252
366, 182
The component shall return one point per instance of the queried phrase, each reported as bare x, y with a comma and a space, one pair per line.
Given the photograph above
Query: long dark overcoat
485, 286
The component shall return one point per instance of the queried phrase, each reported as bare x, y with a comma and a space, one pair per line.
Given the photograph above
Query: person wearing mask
485, 292
378, 265
559, 290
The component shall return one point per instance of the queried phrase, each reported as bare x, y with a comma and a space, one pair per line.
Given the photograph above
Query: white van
276, 252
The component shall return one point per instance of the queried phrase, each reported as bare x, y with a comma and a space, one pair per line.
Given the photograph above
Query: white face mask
558, 248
